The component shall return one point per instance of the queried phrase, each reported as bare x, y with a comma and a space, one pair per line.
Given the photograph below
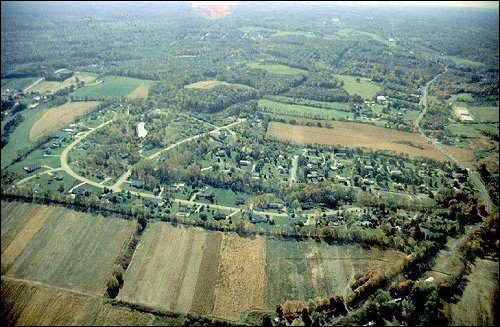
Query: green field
112, 86
342, 106
365, 88
276, 69
17, 83
19, 139
457, 129
488, 128
71, 249
302, 111
484, 114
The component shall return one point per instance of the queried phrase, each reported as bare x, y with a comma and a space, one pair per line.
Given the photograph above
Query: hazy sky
484, 4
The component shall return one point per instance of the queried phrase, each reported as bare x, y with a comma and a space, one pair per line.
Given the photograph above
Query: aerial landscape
249, 163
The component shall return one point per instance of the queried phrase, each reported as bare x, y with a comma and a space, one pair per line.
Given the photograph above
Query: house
398, 186
307, 206
219, 216
258, 219
31, 169
182, 214
34, 187
245, 162
381, 99
100, 176
123, 155
368, 167
86, 146
59, 177
205, 195
47, 151
56, 144
340, 154
93, 116
296, 222
137, 184
275, 205
182, 208
221, 153
240, 201
148, 146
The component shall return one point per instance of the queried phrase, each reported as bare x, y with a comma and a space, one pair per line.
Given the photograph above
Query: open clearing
141, 92
484, 114
474, 308
112, 86
304, 270
17, 83
212, 84
302, 111
365, 88
54, 86
355, 135
72, 249
58, 117
276, 69
28, 304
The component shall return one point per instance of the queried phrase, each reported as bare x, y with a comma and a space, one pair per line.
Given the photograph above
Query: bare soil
141, 92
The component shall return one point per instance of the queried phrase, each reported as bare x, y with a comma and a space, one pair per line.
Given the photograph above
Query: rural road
474, 176
33, 84
293, 171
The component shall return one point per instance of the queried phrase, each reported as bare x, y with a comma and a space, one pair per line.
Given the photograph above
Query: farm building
275, 205
245, 162
258, 219
219, 216
59, 177
31, 169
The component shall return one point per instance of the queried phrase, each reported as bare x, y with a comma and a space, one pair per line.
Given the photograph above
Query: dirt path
34, 83
293, 171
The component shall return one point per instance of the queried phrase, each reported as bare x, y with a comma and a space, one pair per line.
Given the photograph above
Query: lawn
19, 139
276, 69
302, 111
112, 86
365, 88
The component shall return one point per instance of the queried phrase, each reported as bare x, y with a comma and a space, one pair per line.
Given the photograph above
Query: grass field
365, 88
303, 270
20, 137
53, 86
112, 86
212, 84
17, 83
355, 135
302, 111
61, 247
484, 114
276, 69
28, 304
474, 307
57, 117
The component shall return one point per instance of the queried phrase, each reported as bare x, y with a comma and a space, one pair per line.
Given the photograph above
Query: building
258, 219
275, 205
219, 216
59, 177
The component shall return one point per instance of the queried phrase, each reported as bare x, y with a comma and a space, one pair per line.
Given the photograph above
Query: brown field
165, 267
212, 84
355, 135
242, 283
31, 304
58, 117
141, 92
70, 249
474, 307
53, 86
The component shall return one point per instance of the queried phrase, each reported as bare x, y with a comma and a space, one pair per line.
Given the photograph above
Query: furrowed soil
28, 304
355, 135
58, 117
165, 268
70, 249
242, 283
141, 92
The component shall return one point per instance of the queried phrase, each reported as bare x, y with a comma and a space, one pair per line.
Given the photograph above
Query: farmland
302, 111
69, 249
57, 117
34, 304
111, 86
54, 86
364, 88
484, 114
355, 135
212, 84
141, 92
